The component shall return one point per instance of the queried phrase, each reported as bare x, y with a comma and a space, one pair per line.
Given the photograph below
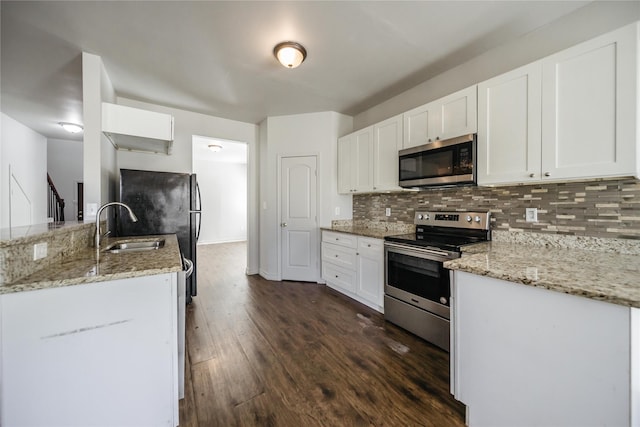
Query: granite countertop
362, 231
604, 276
374, 229
87, 267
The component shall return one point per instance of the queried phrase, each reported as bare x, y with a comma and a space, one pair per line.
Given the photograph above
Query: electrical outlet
387, 211
531, 215
39, 251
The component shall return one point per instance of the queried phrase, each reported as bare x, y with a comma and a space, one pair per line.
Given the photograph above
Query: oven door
417, 277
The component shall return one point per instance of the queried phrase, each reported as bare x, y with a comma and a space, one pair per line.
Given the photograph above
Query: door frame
281, 156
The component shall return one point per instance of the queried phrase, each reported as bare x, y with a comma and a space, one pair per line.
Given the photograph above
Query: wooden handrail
56, 203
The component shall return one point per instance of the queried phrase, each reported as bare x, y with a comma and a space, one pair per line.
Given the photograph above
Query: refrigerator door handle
199, 213
199, 208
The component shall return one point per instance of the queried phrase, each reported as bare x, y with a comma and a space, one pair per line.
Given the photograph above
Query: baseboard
268, 276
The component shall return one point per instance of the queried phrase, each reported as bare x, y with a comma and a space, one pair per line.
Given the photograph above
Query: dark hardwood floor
264, 353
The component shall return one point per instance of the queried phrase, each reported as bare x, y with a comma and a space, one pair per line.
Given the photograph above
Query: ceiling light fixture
214, 147
290, 54
71, 127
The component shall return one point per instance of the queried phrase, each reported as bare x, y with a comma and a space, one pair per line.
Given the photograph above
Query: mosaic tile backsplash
603, 208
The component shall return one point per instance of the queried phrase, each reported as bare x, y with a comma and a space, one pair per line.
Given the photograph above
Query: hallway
264, 353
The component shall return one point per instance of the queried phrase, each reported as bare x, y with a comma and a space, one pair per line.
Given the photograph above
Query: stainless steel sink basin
133, 246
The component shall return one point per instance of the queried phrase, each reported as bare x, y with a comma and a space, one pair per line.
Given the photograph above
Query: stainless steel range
417, 286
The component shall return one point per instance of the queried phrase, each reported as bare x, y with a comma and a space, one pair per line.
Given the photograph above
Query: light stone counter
85, 266
601, 275
374, 229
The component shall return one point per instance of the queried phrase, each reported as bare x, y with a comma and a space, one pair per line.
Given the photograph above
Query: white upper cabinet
134, 129
355, 162
445, 118
589, 97
368, 158
509, 126
571, 115
387, 141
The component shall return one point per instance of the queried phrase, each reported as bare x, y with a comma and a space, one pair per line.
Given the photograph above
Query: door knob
283, 224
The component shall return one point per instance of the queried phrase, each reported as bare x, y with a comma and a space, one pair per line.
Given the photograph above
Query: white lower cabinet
523, 355
100, 354
354, 266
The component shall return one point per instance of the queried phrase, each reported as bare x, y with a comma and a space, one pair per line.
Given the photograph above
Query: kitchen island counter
85, 266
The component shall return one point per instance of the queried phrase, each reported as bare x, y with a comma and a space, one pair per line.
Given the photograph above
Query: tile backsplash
602, 208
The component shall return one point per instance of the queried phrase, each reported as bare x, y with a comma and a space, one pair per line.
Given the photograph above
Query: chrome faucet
133, 217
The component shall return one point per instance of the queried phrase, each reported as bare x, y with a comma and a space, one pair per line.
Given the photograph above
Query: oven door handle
426, 253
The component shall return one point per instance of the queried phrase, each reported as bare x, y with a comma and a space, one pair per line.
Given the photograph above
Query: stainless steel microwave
446, 162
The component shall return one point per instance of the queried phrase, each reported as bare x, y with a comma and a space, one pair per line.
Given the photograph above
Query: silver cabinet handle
437, 138
283, 224
532, 175
547, 174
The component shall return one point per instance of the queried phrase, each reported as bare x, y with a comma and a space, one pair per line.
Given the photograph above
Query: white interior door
298, 219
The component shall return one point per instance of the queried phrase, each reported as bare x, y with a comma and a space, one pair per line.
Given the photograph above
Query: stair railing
56, 203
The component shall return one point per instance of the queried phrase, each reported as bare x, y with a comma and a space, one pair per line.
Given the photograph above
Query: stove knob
468, 218
477, 218
426, 217
420, 216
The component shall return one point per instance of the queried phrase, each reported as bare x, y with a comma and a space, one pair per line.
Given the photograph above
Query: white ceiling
216, 57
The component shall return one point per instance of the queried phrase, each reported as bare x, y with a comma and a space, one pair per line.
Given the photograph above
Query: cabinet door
344, 165
362, 160
509, 127
371, 270
416, 126
100, 354
387, 140
589, 108
453, 115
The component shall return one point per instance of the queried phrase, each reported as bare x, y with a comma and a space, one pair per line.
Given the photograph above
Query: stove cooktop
446, 230
448, 242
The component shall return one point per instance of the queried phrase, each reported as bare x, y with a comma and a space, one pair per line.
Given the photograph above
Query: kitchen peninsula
87, 337
547, 333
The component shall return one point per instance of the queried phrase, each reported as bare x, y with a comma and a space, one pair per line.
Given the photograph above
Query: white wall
302, 134
223, 187
25, 152
187, 124
64, 163
99, 158
585, 23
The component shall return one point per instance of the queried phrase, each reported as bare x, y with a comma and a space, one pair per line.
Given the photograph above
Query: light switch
387, 211
92, 209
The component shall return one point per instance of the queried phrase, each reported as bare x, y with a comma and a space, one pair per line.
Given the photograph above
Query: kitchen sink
134, 246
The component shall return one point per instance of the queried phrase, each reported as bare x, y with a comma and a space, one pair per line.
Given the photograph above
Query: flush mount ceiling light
290, 54
71, 127
214, 147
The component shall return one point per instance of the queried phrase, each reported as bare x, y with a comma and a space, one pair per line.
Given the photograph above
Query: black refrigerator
165, 203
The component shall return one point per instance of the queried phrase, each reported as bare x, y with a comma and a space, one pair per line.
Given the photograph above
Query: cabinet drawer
342, 239
340, 255
339, 276
370, 245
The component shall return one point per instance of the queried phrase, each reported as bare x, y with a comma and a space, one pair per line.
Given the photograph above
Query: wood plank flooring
264, 353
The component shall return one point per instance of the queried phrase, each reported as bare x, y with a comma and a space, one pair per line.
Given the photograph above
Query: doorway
298, 218
221, 169
80, 200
